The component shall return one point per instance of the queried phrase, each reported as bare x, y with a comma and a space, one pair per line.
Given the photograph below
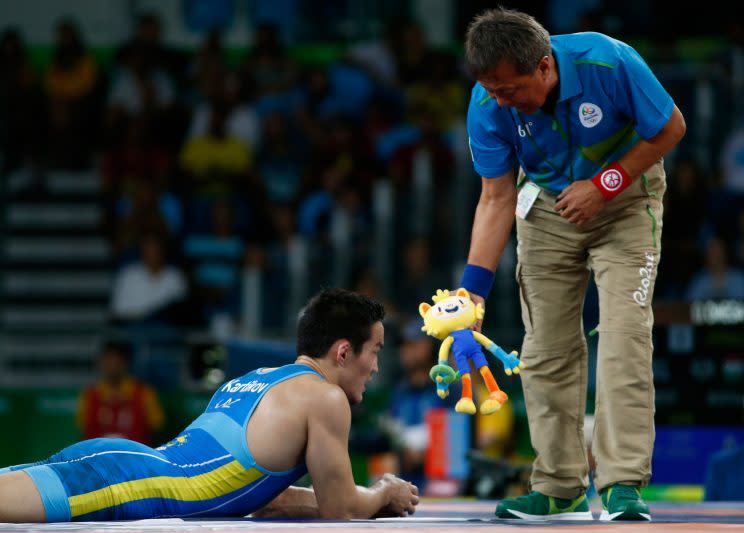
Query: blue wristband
477, 279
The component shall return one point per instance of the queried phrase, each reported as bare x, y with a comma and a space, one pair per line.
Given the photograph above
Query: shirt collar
568, 76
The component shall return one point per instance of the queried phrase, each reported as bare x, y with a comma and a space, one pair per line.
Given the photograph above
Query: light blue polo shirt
608, 99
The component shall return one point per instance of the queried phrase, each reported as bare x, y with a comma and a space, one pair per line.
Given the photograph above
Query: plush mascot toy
450, 320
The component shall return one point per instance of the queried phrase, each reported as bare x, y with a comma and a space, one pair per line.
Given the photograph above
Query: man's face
152, 254
112, 365
361, 367
525, 92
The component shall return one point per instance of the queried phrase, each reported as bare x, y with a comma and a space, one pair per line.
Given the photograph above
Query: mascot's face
449, 313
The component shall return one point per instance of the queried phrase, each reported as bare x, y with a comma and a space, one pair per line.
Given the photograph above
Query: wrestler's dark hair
502, 34
335, 314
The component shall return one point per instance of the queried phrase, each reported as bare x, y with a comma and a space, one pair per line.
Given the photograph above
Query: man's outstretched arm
492, 224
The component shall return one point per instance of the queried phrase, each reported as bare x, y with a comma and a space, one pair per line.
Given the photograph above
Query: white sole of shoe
607, 517
583, 515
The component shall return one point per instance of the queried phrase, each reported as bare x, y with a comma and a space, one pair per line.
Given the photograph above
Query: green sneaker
623, 502
537, 506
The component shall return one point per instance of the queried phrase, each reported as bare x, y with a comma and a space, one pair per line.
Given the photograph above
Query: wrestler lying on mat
259, 434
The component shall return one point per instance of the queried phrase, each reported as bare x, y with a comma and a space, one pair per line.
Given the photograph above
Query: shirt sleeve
492, 154
640, 95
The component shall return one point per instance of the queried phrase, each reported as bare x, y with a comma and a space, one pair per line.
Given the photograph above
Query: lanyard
566, 137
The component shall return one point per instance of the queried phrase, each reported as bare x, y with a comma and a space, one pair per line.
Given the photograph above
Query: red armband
612, 181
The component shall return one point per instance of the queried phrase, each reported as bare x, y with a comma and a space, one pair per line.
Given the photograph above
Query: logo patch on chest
589, 114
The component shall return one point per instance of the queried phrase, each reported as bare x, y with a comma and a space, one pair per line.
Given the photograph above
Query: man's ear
343, 351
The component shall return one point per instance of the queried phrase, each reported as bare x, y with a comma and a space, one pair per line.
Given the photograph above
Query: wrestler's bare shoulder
319, 393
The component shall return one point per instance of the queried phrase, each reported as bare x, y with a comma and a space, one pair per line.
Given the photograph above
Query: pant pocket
653, 181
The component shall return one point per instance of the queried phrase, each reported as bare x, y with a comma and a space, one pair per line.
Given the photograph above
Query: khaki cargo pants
621, 246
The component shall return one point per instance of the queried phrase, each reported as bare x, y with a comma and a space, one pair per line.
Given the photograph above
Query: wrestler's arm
294, 502
327, 459
334, 493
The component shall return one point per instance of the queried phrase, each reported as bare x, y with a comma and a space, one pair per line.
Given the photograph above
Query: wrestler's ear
343, 351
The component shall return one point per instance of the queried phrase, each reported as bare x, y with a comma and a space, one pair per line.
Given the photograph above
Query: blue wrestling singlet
207, 470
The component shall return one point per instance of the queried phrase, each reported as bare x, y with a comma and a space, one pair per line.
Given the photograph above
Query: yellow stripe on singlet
218, 482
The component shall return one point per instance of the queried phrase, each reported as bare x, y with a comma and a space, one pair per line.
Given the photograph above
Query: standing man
587, 122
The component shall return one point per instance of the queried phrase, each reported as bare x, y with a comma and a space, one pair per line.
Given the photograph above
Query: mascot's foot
494, 402
465, 405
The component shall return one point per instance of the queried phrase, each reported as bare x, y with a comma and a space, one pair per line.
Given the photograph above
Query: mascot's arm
442, 374
510, 361
444, 350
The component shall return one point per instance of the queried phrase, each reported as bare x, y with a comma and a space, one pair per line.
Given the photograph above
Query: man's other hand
579, 202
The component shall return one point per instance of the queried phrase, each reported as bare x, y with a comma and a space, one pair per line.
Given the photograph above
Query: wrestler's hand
402, 497
579, 202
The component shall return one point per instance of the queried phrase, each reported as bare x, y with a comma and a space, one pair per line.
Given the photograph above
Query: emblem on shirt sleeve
589, 114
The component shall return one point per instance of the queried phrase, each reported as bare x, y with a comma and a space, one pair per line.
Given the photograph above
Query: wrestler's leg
20, 500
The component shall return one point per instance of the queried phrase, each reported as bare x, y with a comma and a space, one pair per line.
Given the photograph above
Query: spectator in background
217, 162
118, 405
732, 161
218, 92
268, 69
272, 261
20, 103
145, 292
279, 159
215, 258
366, 281
718, 279
441, 93
380, 57
142, 214
413, 397
419, 278
415, 58
133, 173
732, 61
422, 172
137, 158
140, 85
208, 59
71, 81
148, 39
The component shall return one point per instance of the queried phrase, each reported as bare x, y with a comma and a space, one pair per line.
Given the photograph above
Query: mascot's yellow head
449, 313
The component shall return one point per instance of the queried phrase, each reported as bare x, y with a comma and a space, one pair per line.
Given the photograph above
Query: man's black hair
335, 314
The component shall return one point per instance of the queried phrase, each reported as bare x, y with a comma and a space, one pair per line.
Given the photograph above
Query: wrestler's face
360, 368
524, 92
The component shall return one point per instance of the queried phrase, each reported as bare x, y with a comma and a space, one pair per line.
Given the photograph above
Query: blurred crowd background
179, 176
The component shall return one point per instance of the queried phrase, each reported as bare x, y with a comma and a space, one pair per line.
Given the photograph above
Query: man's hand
579, 202
402, 497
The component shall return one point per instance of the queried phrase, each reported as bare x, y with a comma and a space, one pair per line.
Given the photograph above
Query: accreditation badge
526, 198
